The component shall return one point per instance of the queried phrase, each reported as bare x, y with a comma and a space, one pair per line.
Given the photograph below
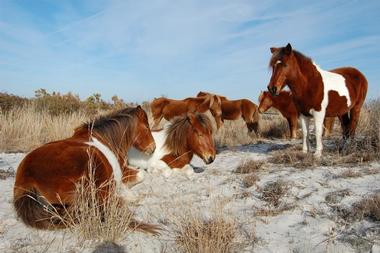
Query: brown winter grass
90, 219
273, 125
207, 230
368, 207
273, 192
249, 166
25, 128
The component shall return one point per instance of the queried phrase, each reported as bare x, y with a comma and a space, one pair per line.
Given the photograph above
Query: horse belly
337, 105
230, 112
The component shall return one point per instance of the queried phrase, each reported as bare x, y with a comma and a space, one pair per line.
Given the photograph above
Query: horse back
356, 83
54, 168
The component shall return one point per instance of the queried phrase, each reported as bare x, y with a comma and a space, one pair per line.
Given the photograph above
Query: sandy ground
310, 225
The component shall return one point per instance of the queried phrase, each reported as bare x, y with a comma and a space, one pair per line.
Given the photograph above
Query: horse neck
303, 82
86, 135
282, 101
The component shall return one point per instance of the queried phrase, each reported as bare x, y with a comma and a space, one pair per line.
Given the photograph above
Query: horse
285, 104
318, 93
176, 144
48, 175
169, 108
234, 109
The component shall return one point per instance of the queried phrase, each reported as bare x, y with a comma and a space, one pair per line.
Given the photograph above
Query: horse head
284, 65
265, 101
143, 140
216, 109
199, 137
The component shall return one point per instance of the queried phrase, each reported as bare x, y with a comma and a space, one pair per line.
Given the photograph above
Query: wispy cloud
143, 49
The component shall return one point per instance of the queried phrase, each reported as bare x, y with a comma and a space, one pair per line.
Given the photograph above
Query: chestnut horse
169, 108
47, 176
234, 109
318, 93
285, 104
176, 145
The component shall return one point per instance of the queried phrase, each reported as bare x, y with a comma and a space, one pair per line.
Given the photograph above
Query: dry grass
273, 192
249, 166
4, 174
293, 158
250, 180
368, 207
274, 126
25, 128
273, 211
196, 232
233, 133
350, 173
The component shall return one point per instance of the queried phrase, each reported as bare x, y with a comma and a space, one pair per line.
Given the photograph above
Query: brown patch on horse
177, 133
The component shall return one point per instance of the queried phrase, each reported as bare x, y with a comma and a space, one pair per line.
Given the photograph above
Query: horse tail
33, 209
144, 227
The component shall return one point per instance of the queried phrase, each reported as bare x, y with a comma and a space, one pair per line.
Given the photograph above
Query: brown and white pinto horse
48, 174
169, 108
234, 109
318, 93
285, 105
176, 144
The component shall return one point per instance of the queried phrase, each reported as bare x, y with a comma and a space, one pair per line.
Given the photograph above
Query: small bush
368, 207
273, 192
250, 180
249, 166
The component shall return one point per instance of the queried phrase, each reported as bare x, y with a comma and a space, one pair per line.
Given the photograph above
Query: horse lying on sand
285, 105
318, 93
48, 175
234, 109
169, 108
176, 144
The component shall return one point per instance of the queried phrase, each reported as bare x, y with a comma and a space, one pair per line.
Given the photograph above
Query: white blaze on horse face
278, 62
333, 82
111, 158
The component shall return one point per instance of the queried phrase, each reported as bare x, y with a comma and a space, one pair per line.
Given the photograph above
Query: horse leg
318, 121
354, 118
293, 124
305, 133
131, 177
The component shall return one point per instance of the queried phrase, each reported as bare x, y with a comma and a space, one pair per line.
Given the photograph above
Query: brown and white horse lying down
284, 103
176, 144
169, 108
47, 175
318, 93
234, 109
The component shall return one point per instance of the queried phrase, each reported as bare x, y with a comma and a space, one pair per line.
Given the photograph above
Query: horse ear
261, 96
288, 49
273, 50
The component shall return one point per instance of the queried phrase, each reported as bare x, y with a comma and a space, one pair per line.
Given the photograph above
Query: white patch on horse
111, 158
332, 82
278, 62
151, 162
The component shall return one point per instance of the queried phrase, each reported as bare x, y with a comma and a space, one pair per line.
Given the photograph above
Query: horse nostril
210, 159
274, 89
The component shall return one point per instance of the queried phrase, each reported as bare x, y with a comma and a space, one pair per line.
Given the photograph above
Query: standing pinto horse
234, 109
318, 93
169, 108
47, 175
285, 104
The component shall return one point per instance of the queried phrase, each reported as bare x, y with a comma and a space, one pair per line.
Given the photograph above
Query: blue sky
139, 50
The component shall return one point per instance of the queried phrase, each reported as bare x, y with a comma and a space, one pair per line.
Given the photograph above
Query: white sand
311, 226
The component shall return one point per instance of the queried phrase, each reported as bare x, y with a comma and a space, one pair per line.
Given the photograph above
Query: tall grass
25, 128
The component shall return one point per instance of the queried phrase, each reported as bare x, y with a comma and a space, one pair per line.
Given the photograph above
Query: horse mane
176, 140
302, 60
114, 129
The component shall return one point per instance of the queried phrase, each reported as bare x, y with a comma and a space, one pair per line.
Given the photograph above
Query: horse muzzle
273, 90
208, 158
150, 149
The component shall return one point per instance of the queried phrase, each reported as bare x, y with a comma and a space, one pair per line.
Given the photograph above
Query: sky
141, 49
